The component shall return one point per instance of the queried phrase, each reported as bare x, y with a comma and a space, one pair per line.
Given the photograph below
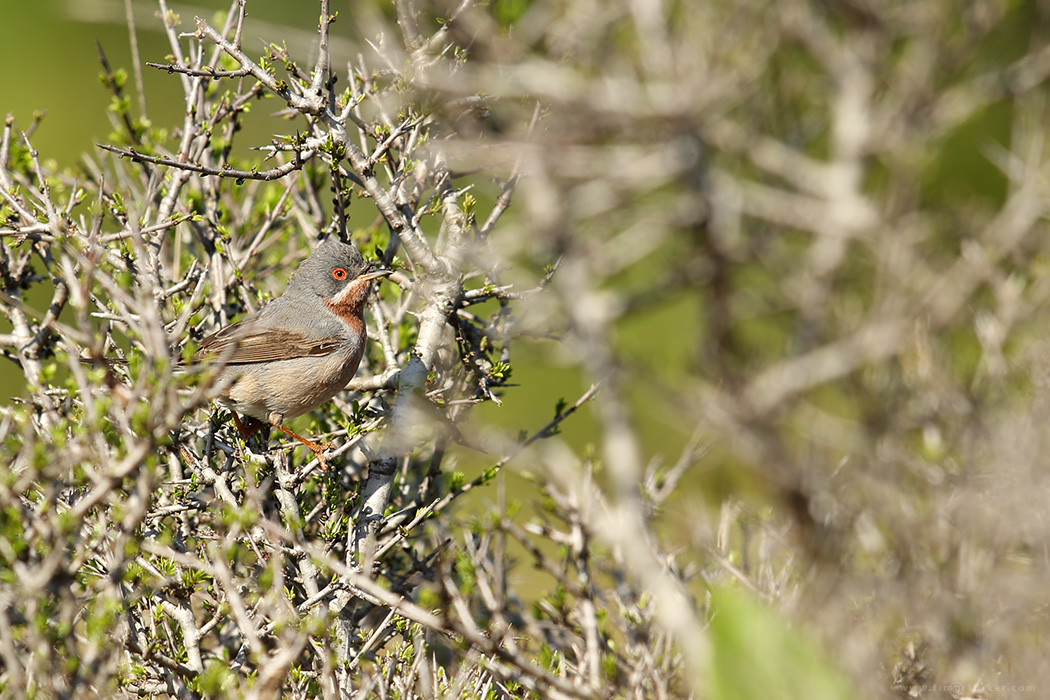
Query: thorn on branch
200, 72
225, 171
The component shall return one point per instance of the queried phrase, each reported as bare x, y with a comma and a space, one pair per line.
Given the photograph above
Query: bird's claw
319, 452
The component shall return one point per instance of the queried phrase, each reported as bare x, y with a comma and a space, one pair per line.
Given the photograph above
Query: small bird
301, 349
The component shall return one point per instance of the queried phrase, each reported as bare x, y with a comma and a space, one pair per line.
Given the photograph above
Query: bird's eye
339, 274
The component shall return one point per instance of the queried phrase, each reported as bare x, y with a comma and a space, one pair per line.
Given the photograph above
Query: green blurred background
51, 61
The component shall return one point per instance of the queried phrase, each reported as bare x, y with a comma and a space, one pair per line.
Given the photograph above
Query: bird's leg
248, 426
276, 420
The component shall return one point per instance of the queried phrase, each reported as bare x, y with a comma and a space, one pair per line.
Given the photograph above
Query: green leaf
756, 655
216, 677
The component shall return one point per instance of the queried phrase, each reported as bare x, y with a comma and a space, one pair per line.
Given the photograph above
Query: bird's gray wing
267, 336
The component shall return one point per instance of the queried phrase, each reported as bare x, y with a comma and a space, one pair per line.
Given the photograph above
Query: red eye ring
339, 274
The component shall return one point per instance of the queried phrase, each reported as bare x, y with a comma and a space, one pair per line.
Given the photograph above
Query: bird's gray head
328, 270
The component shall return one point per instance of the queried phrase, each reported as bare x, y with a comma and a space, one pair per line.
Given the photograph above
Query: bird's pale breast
291, 387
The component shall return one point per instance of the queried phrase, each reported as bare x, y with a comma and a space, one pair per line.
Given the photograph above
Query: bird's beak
373, 274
